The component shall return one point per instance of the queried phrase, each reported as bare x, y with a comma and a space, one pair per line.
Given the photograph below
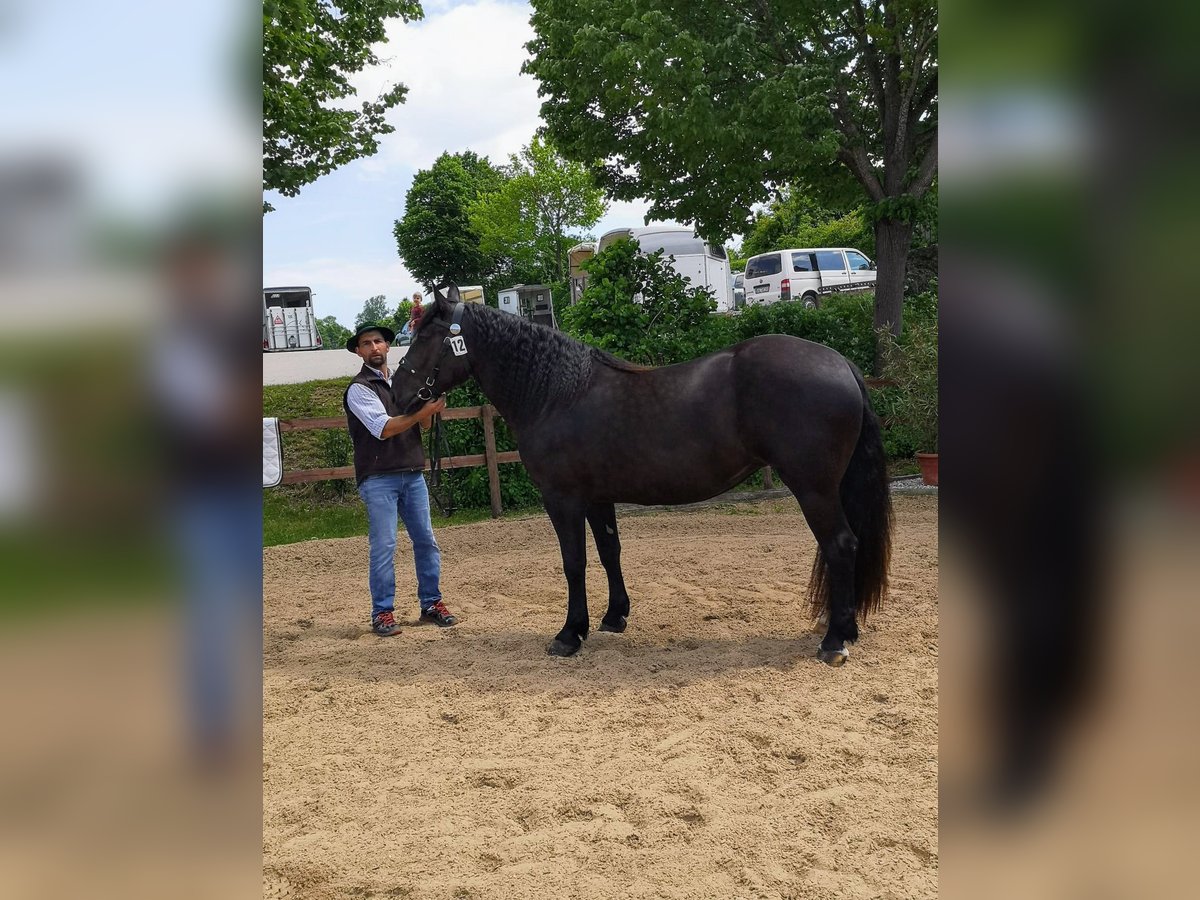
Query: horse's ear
452, 295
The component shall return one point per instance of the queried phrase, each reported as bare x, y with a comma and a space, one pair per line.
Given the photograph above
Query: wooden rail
490, 457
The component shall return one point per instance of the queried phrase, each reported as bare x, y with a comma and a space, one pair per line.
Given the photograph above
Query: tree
705, 107
374, 312
528, 220
435, 238
310, 50
797, 219
640, 308
333, 333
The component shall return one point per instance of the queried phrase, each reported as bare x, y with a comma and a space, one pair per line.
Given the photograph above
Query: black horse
595, 430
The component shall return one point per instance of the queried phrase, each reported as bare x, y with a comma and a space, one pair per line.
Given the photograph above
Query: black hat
388, 335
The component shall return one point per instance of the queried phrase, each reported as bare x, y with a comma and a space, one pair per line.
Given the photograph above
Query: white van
806, 274
701, 263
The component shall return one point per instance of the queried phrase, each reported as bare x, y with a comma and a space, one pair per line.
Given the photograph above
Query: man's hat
388, 335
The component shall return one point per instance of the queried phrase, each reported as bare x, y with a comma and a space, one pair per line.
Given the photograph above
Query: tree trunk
892, 240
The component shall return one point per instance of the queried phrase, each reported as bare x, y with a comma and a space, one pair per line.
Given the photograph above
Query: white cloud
465, 92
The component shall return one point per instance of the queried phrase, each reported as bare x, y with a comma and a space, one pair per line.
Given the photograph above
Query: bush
469, 487
912, 404
844, 322
670, 324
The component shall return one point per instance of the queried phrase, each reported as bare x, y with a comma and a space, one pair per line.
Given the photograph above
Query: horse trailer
289, 322
701, 263
532, 301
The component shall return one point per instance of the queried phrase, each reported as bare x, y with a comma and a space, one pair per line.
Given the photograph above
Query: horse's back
798, 398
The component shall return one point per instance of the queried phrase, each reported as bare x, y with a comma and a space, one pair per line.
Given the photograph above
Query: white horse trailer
701, 263
289, 322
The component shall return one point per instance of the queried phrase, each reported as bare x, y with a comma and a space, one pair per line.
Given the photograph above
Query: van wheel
810, 301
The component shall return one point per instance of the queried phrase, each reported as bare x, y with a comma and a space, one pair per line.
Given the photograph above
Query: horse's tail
867, 502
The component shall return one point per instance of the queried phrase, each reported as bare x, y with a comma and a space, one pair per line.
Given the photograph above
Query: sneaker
439, 615
385, 624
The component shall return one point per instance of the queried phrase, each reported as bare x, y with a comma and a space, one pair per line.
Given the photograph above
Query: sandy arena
705, 753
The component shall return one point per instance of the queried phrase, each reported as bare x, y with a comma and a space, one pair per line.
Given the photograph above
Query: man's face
373, 349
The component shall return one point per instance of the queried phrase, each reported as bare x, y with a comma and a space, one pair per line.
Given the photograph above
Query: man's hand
398, 424
430, 409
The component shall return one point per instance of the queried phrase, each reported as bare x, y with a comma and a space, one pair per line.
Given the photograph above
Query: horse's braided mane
540, 365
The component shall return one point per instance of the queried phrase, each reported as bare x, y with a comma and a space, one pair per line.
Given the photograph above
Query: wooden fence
489, 457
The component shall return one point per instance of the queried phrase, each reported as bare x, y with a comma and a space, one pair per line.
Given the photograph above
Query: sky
462, 66
143, 118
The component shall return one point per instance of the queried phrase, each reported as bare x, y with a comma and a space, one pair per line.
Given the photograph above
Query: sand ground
705, 753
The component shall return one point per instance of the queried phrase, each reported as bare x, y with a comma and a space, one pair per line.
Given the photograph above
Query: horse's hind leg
603, 519
825, 516
567, 518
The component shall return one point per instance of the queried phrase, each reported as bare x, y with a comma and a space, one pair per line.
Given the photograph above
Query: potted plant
913, 369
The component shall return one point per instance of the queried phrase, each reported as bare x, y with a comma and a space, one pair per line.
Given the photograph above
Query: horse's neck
516, 381
501, 372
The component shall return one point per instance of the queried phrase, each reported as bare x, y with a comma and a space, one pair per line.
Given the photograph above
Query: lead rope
439, 445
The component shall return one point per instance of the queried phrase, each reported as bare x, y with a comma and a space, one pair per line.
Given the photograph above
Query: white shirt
365, 404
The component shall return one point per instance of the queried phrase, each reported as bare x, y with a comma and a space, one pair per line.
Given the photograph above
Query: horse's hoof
562, 648
834, 657
616, 629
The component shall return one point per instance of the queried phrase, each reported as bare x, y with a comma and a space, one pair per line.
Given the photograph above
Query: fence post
489, 451
768, 479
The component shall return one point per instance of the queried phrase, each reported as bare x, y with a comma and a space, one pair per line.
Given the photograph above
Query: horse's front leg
567, 517
603, 520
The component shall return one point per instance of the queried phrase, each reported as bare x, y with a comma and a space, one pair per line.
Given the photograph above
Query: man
388, 466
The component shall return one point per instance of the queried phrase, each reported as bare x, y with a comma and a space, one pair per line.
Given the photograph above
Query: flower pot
929, 467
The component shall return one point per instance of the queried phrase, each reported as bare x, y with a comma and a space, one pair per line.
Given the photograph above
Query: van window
858, 262
672, 243
761, 266
830, 261
803, 262
716, 252
289, 299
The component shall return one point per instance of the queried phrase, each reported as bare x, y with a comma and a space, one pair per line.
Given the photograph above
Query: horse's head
439, 357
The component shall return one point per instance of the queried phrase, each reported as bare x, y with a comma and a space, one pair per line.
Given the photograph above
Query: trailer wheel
810, 300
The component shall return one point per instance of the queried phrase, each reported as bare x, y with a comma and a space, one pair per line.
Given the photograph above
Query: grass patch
289, 518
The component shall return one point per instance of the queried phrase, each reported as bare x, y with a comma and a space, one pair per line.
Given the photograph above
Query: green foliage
704, 108
435, 238
797, 219
528, 222
374, 312
311, 50
333, 333
669, 325
842, 322
700, 107
912, 405
465, 437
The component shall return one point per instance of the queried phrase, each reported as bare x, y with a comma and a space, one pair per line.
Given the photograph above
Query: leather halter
426, 392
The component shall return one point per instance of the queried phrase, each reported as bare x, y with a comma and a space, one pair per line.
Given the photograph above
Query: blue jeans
403, 495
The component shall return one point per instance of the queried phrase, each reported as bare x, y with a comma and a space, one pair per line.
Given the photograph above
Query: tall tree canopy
374, 312
705, 106
531, 218
435, 238
311, 48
